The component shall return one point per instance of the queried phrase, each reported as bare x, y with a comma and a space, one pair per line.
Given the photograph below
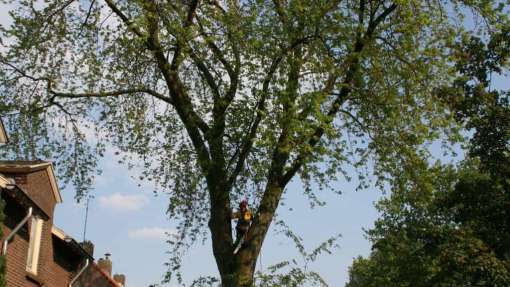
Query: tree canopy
222, 100
452, 229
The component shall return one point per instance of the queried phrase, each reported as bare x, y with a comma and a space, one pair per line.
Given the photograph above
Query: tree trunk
235, 270
241, 271
238, 270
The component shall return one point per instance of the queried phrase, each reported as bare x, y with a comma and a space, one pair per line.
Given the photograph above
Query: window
34, 246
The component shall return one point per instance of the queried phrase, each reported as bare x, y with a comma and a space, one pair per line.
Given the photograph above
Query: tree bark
235, 270
240, 272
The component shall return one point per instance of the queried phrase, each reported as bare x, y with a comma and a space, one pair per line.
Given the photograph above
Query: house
37, 252
30, 198
96, 274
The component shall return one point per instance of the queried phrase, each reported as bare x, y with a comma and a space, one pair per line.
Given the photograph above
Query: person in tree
244, 217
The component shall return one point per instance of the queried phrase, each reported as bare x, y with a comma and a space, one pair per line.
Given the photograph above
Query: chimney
105, 264
120, 278
88, 246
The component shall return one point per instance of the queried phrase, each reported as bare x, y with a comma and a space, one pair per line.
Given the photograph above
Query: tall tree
452, 228
218, 100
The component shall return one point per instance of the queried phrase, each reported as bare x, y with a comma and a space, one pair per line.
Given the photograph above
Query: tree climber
244, 218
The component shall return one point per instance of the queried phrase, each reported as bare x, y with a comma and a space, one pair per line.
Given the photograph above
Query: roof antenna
89, 197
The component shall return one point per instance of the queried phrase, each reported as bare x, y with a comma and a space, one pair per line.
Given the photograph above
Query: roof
71, 242
58, 232
13, 166
3, 133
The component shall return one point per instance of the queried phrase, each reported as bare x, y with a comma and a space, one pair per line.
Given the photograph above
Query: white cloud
123, 202
152, 233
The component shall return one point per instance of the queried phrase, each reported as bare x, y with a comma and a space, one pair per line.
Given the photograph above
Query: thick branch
207, 75
192, 122
280, 10
219, 223
181, 41
247, 143
281, 152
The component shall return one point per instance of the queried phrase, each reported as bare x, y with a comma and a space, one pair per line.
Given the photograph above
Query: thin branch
206, 74
105, 94
216, 50
192, 12
68, 114
23, 73
87, 18
358, 122
60, 9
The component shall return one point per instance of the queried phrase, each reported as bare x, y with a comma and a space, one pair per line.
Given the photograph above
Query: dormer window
34, 247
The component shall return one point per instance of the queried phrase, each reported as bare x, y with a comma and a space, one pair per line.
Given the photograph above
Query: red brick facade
37, 185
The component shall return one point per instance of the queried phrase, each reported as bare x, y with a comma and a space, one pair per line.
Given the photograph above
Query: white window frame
34, 245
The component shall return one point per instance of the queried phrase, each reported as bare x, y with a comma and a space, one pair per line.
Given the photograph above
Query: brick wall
49, 272
38, 187
95, 277
16, 260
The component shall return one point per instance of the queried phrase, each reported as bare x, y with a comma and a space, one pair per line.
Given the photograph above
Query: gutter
79, 273
15, 230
